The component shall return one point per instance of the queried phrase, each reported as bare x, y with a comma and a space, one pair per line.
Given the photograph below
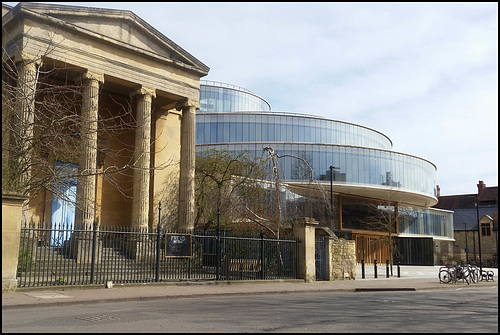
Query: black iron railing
60, 255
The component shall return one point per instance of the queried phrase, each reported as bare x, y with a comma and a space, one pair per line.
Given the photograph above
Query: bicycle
454, 273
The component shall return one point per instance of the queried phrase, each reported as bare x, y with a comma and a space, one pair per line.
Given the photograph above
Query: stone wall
343, 259
453, 252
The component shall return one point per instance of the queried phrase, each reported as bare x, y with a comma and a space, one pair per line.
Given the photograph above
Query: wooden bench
242, 267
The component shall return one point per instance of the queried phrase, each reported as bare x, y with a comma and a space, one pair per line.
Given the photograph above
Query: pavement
412, 278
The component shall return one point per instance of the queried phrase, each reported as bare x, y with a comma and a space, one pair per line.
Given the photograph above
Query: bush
25, 261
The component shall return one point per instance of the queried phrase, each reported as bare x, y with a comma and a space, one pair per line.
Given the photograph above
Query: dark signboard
178, 245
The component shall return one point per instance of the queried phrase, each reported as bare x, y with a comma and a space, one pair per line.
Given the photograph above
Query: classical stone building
123, 72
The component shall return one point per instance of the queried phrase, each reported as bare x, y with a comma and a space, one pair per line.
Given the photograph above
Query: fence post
362, 269
217, 246
158, 246
262, 255
375, 268
94, 245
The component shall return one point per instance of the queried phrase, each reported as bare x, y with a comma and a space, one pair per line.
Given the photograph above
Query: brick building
466, 219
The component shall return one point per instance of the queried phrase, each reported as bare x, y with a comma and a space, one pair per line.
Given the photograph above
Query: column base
79, 247
140, 251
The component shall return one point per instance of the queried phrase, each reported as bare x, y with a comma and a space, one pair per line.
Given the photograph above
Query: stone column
27, 66
187, 164
87, 165
80, 242
304, 230
135, 247
140, 201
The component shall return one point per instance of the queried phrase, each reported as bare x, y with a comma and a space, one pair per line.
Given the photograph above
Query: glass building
355, 161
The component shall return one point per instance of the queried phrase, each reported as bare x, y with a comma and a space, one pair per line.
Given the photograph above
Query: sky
424, 74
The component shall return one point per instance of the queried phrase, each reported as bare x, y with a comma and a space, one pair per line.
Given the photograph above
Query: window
485, 229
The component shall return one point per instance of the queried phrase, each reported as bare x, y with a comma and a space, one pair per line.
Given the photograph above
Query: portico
129, 72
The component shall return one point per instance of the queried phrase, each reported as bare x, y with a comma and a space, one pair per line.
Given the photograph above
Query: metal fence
59, 255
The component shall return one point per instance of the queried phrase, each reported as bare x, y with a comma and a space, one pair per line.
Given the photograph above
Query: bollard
362, 269
375, 268
399, 272
386, 268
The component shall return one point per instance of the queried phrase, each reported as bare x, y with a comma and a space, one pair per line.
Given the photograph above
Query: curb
368, 289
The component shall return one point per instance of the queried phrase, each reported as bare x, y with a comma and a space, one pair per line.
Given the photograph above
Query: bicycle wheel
445, 276
466, 275
474, 274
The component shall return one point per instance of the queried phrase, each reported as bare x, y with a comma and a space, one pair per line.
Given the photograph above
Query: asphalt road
444, 311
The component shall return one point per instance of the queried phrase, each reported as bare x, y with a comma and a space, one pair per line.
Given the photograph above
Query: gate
319, 256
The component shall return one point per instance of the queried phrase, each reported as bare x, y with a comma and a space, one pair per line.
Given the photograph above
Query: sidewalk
413, 278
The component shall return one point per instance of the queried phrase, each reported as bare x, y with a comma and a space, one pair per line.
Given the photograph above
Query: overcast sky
424, 74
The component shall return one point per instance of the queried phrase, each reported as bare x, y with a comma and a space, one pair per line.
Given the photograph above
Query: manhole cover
97, 318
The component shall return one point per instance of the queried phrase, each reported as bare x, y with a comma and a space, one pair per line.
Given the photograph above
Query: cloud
425, 74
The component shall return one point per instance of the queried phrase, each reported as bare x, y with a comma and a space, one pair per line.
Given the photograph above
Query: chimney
438, 191
480, 187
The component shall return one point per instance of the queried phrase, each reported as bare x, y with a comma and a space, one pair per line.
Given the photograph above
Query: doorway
63, 203
370, 248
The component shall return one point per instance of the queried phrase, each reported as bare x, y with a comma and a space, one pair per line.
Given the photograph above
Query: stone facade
453, 252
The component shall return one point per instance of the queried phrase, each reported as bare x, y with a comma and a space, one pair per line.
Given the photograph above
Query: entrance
319, 256
63, 204
371, 248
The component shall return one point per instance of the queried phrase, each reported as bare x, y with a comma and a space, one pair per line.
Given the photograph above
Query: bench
242, 267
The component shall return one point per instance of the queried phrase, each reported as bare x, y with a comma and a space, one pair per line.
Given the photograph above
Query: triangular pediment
121, 27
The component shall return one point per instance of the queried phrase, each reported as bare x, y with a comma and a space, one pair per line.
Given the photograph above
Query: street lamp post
479, 236
466, 246
331, 183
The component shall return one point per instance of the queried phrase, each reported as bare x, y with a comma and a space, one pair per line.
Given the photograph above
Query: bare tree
42, 123
382, 216
226, 187
314, 202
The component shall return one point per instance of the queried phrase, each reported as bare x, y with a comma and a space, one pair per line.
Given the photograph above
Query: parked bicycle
454, 273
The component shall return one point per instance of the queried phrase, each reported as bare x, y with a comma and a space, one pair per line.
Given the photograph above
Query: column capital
144, 91
89, 75
27, 58
187, 103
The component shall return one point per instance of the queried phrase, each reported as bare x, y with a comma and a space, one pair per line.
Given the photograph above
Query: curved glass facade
218, 97
236, 119
357, 165
284, 127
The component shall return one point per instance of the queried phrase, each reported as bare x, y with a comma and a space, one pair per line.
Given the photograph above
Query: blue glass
290, 128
